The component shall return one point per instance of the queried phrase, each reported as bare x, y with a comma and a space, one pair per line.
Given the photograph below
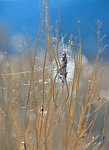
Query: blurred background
19, 18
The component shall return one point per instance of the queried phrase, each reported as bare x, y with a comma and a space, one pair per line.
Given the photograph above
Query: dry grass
37, 113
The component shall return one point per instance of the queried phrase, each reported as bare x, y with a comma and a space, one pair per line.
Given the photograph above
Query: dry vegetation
37, 113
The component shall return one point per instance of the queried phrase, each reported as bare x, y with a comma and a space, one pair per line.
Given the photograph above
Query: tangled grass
37, 113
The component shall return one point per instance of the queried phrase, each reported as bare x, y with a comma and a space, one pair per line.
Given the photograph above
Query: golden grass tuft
37, 113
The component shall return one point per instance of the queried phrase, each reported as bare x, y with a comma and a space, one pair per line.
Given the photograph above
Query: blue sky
19, 15
22, 16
